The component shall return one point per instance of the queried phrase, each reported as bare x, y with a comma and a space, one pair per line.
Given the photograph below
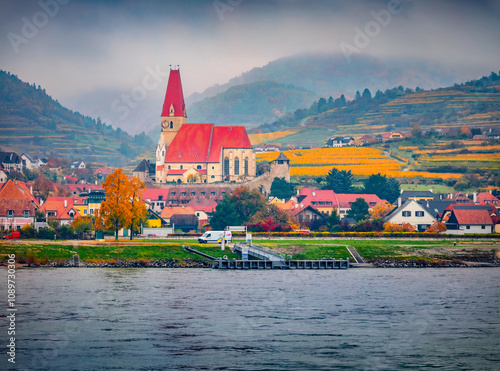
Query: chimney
474, 197
401, 191
430, 190
65, 203
314, 194
399, 201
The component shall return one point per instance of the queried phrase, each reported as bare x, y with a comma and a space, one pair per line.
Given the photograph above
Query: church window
181, 167
246, 165
171, 124
226, 166
198, 167
163, 153
168, 167
236, 166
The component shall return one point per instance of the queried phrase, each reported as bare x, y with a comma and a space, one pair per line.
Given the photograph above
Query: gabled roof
301, 208
314, 197
190, 144
202, 204
436, 207
154, 194
174, 96
486, 196
405, 195
18, 206
84, 187
227, 137
142, 167
201, 143
470, 217
167, 212
346, 199
57, 204
16, 190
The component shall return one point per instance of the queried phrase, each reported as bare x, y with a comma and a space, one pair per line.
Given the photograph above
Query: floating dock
286, 264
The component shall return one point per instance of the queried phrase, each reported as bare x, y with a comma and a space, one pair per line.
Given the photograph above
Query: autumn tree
43, 187
137, 205
437, 227
404, 227
380, 210
116, 210
82, 224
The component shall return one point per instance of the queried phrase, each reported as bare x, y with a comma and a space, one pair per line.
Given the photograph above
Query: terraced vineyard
32, 122
361, 161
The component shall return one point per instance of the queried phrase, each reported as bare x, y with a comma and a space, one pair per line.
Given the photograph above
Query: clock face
164, 124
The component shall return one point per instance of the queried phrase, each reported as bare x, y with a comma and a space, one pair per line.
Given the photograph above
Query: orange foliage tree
380, 210
404, 227
123, 207
437, 227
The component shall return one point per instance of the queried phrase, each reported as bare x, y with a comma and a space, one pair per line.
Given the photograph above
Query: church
199, 153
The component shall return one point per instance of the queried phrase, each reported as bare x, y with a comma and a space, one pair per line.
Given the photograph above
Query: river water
203, 319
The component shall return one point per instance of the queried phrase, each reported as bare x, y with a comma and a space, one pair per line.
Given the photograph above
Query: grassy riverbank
43, 252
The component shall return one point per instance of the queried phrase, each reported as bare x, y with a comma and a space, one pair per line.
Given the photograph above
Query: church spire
174, 98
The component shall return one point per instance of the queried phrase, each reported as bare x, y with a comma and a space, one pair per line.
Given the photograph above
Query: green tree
224, 214
339, 181
386, 189
282, 189
333, 221
359, 210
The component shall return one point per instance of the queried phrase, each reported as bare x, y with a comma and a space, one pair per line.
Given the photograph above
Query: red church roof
174, 95
200, 143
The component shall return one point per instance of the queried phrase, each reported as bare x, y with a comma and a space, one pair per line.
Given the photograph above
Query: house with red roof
203, 209
469, 220
324, 201
60, 208
345, 201
486, 198
17, 206
155, 198
199, 153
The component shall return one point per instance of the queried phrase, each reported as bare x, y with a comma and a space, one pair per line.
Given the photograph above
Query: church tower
173, 115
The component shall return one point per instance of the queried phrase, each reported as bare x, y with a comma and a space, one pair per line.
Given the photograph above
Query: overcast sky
78, 47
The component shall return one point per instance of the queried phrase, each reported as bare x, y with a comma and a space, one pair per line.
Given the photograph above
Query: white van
215, 237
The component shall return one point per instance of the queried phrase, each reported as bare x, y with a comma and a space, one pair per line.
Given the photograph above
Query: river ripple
191, 319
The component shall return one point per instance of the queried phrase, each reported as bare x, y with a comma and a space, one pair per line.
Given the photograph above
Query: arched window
198, 167
246, 165
236, 166
226, 166
181, 167
171, 124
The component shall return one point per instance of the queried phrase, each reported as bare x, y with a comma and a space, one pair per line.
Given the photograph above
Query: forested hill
475, 103
32, 122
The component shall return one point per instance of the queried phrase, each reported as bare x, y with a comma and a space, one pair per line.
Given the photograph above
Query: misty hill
34, 123
323, 75
250, 104
475, 103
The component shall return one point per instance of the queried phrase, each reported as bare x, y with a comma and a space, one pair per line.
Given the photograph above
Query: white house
462, 221
78, 165
31, 163
411, 212
3, 176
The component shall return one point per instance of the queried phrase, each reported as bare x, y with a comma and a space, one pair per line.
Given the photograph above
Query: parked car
12, 236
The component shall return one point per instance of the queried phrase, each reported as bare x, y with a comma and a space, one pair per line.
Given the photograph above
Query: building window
162, 153
91, 211
406, 213
85, 212
168, 167
226, 166
10, 213
181, 167
183, 194
193, 194
203, 193
487, 202
198, 167
212, 194
246, 165
419, 213
213, 177
467, 227
171, 124
483, 227
26, 214
236, 166
173, 194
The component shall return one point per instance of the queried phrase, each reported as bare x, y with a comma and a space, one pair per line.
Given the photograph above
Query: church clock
164, 124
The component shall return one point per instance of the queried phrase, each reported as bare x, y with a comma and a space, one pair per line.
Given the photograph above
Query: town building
199, 153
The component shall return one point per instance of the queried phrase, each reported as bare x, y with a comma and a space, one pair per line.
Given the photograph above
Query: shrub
46, 233
28, 231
